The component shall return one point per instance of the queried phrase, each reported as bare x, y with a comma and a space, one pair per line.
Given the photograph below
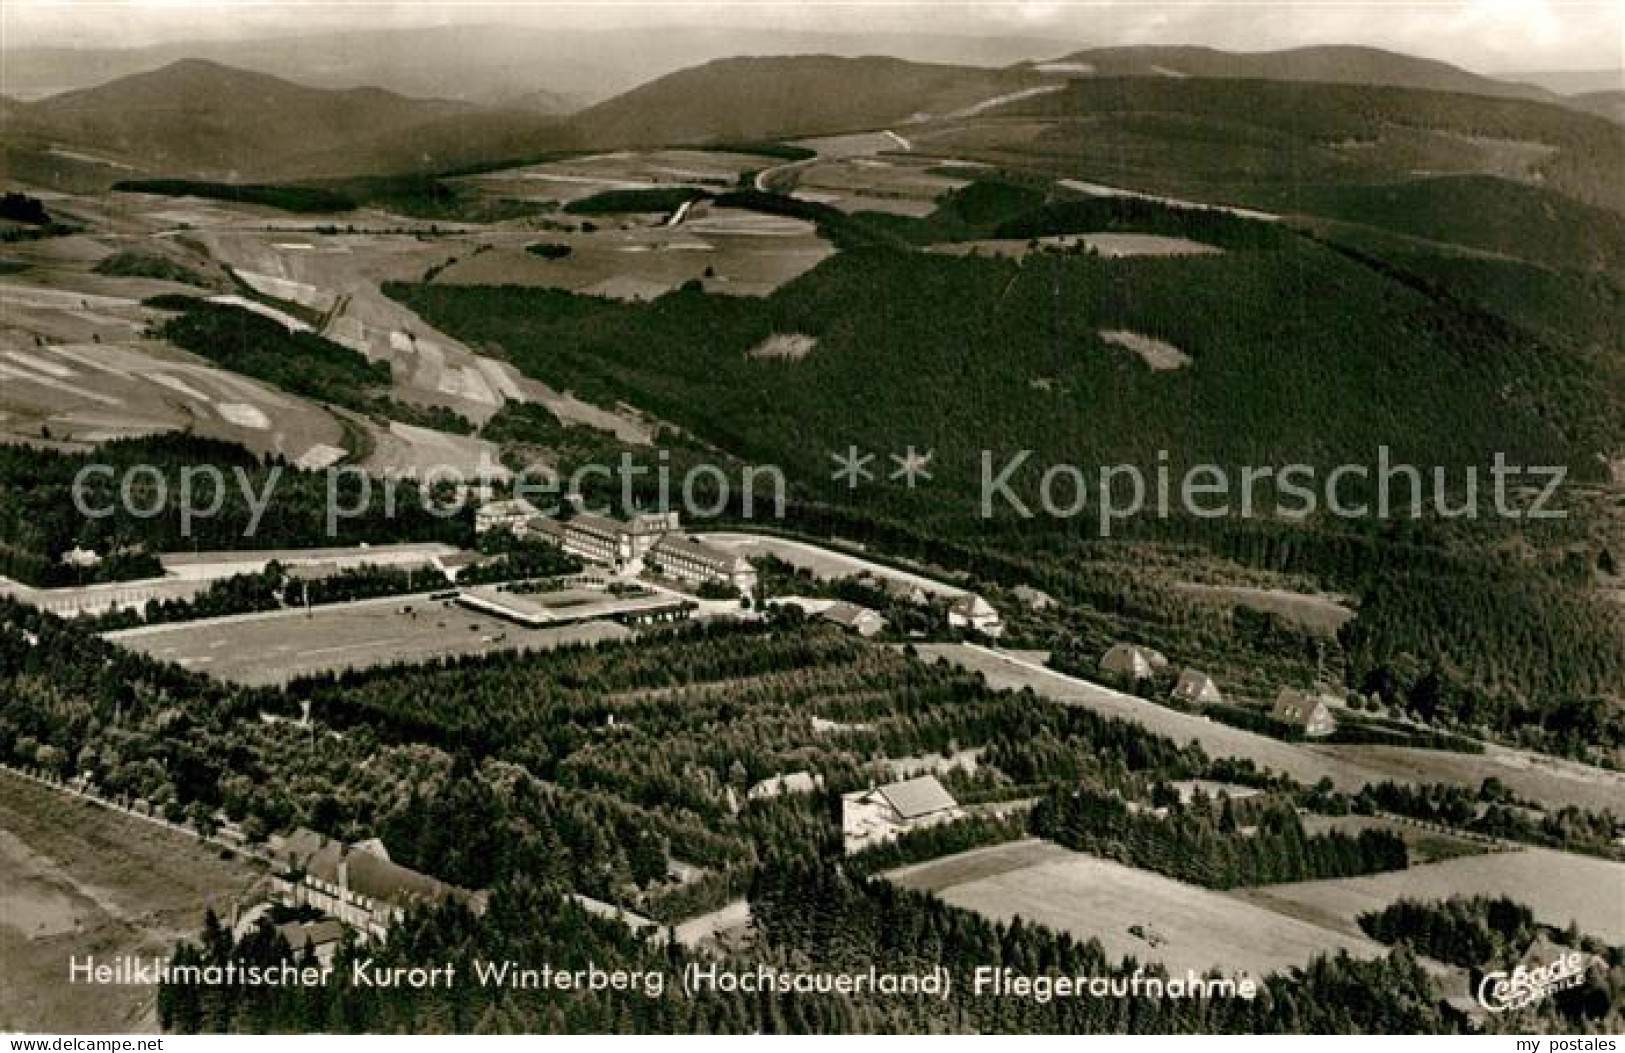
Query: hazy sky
1485, 35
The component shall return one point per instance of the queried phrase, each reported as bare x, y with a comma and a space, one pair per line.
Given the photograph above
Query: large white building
358, 884
601, 539
690, 559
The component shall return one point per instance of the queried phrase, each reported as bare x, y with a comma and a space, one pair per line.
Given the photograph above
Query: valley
900, 718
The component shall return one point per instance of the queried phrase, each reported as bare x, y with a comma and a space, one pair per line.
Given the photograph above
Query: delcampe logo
1534, 979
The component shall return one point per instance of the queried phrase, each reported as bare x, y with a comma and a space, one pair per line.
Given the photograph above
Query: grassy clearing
81, 879
1132, 913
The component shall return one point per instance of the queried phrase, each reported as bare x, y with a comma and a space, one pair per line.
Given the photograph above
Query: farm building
1196, 688
883, 813
785, 785
850, 616
1303, 712
512, 515
690, 559
361, 888
973, 612
1132, 661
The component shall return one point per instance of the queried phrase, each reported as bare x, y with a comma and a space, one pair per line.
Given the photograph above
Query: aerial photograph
1025, 517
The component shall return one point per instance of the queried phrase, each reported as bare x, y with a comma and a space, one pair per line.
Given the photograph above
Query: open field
410, 451
80, 880
273, 648
345, 271
1558, 886
91, 391
1324, 614
730, 251
581, 177
1552, 781
1426, 844
1158, 355
895, 183
1112, 246
1192, 928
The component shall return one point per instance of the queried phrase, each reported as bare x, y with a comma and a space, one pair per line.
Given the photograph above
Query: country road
1553, 782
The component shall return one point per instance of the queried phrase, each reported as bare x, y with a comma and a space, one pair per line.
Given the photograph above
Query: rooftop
913, 798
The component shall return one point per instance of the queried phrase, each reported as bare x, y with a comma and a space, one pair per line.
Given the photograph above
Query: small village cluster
1310, 715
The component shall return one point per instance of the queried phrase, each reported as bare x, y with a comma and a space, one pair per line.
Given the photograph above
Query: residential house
1196, 688
1303, 712
853, 618
1132, 661
883, 813
321, 937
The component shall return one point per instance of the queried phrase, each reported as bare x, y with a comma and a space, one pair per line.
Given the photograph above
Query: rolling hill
1330, 65
200, 117
202, 120
1609, 104
1263, 143
495, 65
743, 99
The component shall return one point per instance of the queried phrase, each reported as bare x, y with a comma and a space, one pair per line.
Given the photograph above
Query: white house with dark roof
1196, 688
1133, 661
356, 884
883, 813
853, 618
1303, 712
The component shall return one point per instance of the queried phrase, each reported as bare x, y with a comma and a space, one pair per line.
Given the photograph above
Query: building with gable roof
358, 884
1196, 688
883, 813
1303, 712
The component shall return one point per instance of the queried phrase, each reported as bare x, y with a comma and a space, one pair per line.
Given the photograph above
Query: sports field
275, 648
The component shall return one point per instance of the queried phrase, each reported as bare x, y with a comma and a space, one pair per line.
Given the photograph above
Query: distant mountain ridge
790, 96
494, 65
1330, 64
201, 119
